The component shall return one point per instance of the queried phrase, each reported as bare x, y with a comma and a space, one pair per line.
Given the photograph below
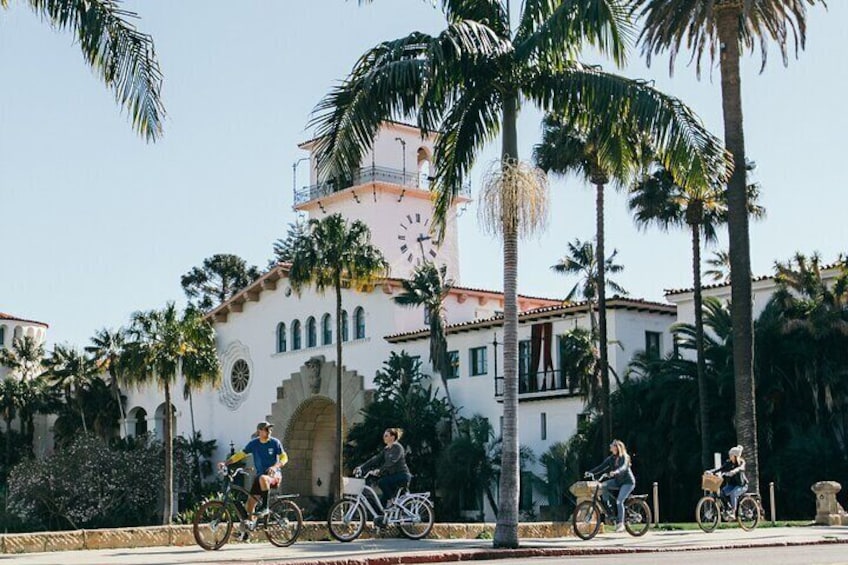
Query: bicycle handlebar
591, 476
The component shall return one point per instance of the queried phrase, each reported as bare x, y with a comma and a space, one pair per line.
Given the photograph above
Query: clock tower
390, 193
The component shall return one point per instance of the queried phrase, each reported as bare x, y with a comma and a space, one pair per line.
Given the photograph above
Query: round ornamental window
240, 376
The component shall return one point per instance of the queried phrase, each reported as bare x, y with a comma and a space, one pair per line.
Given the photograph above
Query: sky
96, 224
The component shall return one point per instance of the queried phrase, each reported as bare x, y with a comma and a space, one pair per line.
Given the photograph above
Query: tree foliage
217, 279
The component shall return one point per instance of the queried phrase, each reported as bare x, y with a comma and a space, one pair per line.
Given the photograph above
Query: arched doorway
310, 443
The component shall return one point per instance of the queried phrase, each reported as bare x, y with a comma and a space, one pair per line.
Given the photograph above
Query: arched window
359, 323
326, 330
345, 333
295, 335
138, 419
423, 168
2, 337
311, 333
281, 338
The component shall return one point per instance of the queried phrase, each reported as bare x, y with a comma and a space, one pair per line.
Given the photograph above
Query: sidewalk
395, 551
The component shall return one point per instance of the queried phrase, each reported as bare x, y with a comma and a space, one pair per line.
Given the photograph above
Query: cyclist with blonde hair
621, 478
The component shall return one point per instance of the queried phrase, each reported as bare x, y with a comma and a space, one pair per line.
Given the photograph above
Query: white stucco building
277, 347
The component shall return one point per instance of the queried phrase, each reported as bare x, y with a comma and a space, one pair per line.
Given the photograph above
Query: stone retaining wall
181, 535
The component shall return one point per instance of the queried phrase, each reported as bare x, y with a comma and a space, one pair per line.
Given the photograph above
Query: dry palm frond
514, 198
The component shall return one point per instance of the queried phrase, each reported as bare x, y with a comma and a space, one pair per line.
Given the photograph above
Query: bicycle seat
638, 497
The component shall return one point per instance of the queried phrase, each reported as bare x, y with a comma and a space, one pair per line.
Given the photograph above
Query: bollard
771, 503
656, 504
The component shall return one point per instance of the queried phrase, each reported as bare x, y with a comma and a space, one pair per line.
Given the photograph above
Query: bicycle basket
710, 482
353, 486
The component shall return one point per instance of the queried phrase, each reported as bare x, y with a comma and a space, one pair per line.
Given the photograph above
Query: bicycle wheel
637, 517
416, 517
283, 523
346, 520
748, 513
586, 520
707, 514
212, 525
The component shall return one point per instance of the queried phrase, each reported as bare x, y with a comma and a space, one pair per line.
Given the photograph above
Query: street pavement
385, 551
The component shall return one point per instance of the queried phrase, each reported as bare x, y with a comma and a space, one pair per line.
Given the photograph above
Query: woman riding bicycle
390, 465
735, 482
621, 478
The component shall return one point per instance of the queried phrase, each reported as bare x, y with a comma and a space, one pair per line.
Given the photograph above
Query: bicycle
412, 512
714, 506
281, 519
590, 514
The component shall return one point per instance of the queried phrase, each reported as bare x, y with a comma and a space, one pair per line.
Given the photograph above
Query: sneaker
619, 528
380, 521
243, 536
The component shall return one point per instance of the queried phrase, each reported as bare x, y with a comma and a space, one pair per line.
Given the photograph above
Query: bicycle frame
603, 498
372, 511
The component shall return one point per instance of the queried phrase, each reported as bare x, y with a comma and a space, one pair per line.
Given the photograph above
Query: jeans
623, 492
390, 484
733, 493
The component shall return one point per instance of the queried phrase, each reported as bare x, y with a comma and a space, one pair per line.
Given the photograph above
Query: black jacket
619, 469
390, 461
734, 473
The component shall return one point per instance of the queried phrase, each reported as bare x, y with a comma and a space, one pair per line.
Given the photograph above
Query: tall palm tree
466, 83
723, 28
106, 347
582, 260
72, 371
428, 287
24, 361
609, 153
331, 254
163, 347
10, 402
122, 57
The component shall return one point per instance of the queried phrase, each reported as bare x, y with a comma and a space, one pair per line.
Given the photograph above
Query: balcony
367, 175
545, 385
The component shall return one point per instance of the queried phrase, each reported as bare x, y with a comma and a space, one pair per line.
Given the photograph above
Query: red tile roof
9, 317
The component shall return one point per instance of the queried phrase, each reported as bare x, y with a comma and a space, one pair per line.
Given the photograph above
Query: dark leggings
390, 484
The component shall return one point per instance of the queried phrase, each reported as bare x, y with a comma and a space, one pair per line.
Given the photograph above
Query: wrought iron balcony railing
541, 385
368, 175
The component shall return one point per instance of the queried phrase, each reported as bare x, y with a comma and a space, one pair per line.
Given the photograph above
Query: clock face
414, 240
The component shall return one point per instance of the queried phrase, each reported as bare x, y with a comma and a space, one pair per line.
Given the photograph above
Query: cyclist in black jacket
621, 480
735, 482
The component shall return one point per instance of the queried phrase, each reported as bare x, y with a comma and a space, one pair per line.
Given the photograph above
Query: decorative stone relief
235, 356
312, 372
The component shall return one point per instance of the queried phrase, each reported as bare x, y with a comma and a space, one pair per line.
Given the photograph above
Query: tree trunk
8, 421
120, 403
194, 457
506, 531
703, 398
339, 489
606, 417
168, 433
741, 308
82, 411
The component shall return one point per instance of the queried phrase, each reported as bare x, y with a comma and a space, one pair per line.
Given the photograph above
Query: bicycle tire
586, 520
283, 523
638, 517
346, 520
748, 513
707, 514
209, 519
426, 516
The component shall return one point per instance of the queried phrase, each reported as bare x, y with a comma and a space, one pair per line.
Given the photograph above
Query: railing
542, 384
368, 175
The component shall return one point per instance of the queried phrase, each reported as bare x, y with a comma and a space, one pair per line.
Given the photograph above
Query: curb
527, 553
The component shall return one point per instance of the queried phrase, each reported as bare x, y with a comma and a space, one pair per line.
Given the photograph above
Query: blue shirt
264, 454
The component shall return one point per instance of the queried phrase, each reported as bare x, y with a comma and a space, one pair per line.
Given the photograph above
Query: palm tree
466, 83
163, 347
428, 287
331, 254
119, 54
10, 401
601, 155
106, 347
723, 28
24, 361
583, 261
72, 371
719, 271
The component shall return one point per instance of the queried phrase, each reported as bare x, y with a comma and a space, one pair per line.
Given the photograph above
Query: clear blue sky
96, 224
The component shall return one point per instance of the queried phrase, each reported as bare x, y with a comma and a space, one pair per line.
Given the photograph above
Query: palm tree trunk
194, 457
741, 307
703, 398
120, 404
168, 433
339, 489
606, 419
506, 531
8, 421
82, 411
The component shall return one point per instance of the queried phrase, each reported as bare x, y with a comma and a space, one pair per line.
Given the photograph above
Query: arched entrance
310, 442
306, 410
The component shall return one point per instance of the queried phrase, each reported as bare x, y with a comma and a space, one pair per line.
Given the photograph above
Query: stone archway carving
304, 408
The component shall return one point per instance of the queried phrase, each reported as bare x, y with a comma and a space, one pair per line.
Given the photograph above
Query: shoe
619, 528
380, 521
244, 536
